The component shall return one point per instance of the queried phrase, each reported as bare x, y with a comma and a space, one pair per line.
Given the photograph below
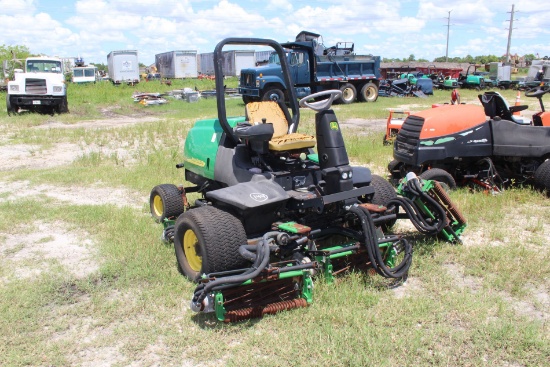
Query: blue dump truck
314, 68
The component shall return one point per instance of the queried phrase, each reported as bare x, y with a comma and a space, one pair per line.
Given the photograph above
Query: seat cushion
292, 141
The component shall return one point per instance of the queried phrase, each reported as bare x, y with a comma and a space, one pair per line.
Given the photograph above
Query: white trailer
233, 62
123, 66
177, 64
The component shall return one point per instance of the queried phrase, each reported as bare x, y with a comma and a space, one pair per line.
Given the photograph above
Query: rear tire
369, 93
165, 201
441, 176
207, 240
383, 193
542, 176
349, 94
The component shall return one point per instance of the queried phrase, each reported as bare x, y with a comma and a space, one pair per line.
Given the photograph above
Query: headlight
257, 83
57, 89
14, 88
344, 175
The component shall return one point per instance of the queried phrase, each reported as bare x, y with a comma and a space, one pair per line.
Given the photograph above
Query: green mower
274, 213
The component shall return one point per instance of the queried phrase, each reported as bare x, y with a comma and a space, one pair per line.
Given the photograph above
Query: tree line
469, 59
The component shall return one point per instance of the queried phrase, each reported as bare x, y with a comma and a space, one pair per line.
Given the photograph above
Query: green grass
470, 305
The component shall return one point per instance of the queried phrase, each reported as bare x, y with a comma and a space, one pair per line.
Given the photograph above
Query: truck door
299, 65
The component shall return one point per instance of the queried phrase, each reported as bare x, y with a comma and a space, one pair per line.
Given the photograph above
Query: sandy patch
28, 255
98, 124
94, 195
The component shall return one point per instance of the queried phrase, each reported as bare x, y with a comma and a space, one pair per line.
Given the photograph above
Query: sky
388, 28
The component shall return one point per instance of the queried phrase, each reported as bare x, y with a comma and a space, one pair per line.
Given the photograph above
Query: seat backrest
495, 105
271, 112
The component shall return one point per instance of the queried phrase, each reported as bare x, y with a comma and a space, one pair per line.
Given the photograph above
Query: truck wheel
441, 176
542, 176
63, 106
207, 240
10, 108
349, 94
369, 93
273, 94
165, 201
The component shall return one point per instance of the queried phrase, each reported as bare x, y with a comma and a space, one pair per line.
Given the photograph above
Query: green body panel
201, 145
474, 79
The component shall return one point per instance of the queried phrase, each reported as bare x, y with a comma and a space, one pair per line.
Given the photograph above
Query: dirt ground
73, 250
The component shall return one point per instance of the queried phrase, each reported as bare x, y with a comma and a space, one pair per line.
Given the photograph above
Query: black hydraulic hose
248, 251
373, 250
398, 271
415, 214
262, 259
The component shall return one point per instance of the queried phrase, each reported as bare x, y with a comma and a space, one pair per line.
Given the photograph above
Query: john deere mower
272, 212
459, 145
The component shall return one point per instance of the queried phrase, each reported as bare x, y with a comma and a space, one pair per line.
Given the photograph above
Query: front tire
63, 106
441, 176
165, 201
369, 92
207, 240
274, 94
542, 176
349, 93
10, 108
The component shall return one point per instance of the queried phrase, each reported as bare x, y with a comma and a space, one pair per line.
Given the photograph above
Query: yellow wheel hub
190, 243
158, 206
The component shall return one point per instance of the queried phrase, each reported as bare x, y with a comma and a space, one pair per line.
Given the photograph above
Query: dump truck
314, 68
123, 66
40, 87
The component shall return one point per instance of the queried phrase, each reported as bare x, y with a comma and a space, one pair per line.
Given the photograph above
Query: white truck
123, 66
40, 87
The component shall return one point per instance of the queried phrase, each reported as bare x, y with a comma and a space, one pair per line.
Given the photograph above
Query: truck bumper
35, 100
251, 92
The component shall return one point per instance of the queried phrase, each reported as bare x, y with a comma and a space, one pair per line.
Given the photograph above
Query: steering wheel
323, 104
537, 91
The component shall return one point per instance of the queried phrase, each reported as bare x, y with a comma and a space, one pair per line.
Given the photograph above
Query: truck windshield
274, 58
43, 66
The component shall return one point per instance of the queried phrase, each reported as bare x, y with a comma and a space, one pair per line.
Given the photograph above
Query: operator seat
496, 106
271, 112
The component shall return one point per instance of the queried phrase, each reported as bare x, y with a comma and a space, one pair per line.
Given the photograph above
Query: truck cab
41, 87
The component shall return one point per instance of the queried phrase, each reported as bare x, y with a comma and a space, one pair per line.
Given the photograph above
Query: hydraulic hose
415, 213
373, 249
260, 262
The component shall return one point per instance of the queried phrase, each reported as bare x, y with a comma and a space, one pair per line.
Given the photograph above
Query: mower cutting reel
274, 213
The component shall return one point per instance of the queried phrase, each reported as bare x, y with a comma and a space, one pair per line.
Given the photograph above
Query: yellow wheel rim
158, 206
190, 243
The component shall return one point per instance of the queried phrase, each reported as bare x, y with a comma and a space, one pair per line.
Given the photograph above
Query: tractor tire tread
223, 234
542, 176
171, 199
438, 174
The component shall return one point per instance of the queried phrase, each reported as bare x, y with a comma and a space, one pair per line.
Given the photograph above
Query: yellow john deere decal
196, 162
334, 125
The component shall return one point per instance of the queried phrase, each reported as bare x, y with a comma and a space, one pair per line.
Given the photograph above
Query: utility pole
448, 28
510, 34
